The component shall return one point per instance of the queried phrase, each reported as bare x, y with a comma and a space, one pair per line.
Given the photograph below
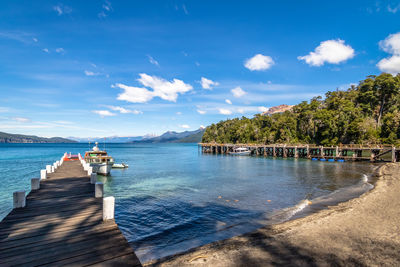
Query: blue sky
127, 68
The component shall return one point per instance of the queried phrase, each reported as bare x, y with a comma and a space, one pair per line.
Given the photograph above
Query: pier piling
99, 190
19, 199
351, 152
93, 178
35, 183
108, 208
43, 174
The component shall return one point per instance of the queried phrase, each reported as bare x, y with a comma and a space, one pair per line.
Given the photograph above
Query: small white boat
240, 151
120, 166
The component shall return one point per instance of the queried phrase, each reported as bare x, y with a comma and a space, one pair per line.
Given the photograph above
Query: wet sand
361, 232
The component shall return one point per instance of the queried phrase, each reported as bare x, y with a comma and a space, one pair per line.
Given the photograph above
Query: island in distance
19, 138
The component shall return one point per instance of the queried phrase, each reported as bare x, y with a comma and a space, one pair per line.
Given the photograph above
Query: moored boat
120, 166
240, 151
99, 160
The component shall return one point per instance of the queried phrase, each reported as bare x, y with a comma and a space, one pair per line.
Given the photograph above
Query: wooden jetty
62, 223
374, 153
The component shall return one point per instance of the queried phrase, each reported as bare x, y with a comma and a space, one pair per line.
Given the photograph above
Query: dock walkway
62, 224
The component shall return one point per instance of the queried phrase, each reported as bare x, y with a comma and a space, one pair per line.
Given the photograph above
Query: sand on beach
362, 231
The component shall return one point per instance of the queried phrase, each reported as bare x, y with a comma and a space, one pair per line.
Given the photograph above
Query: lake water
172, 198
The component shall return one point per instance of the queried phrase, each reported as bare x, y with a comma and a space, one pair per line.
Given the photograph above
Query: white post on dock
19, 199
93, 178
53, 169
393, 154
55, 166
43, 174
90, 170
35, 183
98, 189
48, 168
108, 208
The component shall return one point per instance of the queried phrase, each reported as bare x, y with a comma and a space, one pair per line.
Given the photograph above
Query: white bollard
55, 166
52, 169
93, 178
19, 199
98, 189
43, 174
58, 163
35, 183
90, 170
48, 168
108, 208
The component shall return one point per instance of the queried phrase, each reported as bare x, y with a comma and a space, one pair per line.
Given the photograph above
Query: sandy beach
361, 232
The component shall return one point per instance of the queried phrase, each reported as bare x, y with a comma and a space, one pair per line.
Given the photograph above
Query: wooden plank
54, 236
62, 225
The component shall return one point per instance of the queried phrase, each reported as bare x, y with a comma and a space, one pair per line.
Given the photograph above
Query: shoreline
360, 231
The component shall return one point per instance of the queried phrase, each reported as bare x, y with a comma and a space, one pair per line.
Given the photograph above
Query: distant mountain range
19, 138
174, 137
168, 137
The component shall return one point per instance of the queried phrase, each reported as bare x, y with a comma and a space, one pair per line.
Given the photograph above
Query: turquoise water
172, 197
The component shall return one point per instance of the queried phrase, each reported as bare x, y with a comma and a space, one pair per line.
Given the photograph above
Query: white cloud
241, 110
238, 92
224, 111
393, 9
185, 9
179, 113
60, 50
153, 61
228, 101
124, 110
202, 112
390, 65
45, 50
259, 62
161, 88
330, 51
104, 113
107, 8
390, 45
20, 119
202, 127
134, 94
208, 84
263, 109
164, 89
62, 9
35, 39
184, 126
91, 73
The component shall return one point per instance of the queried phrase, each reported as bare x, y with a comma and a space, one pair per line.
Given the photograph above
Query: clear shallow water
173, 198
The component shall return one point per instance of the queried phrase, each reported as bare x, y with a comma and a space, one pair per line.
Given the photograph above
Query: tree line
368, 113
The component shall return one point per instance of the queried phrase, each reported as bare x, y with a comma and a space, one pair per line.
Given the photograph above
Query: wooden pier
61, 224
343, 152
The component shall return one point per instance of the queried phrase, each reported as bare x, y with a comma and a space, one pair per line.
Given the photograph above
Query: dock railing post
43, 174
108, 208
35, 183
93, 178
98, 190
19, 200
393, 154
90, 170
48, 168
296, 155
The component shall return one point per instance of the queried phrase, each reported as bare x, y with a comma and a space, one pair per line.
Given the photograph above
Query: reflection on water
172, 198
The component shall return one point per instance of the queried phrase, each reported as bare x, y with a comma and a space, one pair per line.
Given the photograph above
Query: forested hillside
368, 113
